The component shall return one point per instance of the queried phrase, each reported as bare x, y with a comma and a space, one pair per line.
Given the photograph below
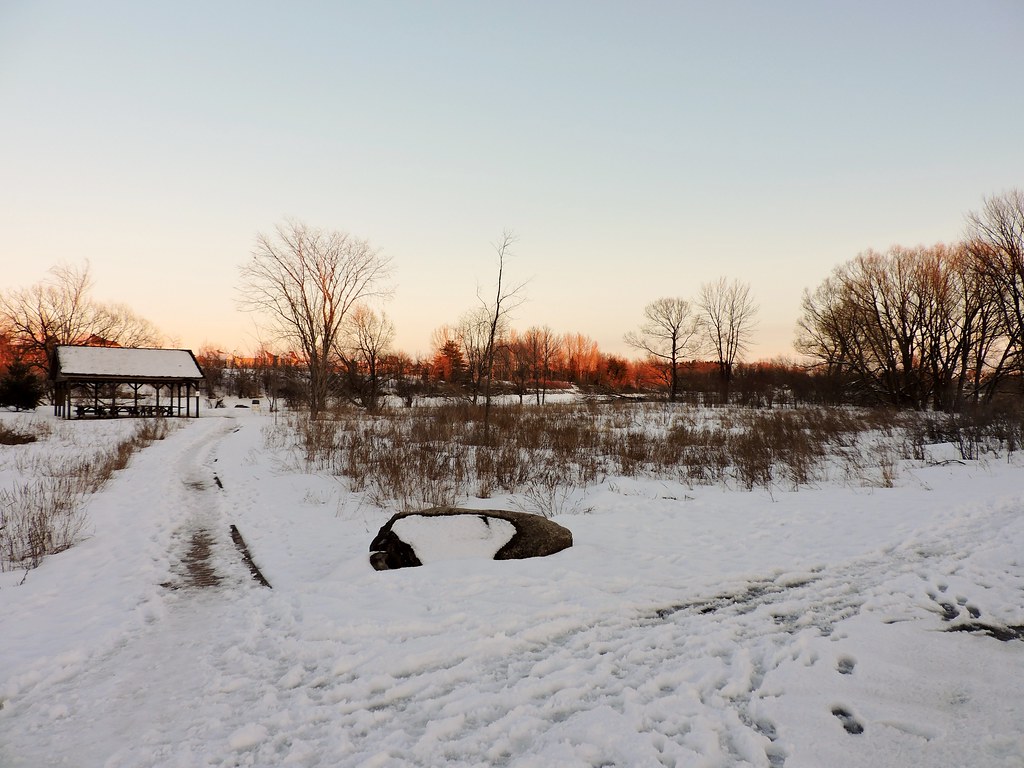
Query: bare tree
517, 362
473, 333
960, 325
911, 327
728, 315
996, 242
582, 357
861, 323
367, 339
669, 332
825, 330
304, 281
59, 311
126, 328
542, 351
506, 299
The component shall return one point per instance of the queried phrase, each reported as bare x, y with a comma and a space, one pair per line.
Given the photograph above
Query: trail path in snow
788, 668
134, 693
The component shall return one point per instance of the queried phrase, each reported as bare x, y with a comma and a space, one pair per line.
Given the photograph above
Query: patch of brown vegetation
9, 436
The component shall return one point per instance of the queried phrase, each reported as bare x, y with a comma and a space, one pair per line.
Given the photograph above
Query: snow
686, 626
447, 538
128, 362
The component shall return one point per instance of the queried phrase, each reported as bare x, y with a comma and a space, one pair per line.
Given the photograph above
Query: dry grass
546, 456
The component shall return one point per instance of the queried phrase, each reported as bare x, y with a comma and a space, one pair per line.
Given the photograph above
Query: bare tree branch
303, 282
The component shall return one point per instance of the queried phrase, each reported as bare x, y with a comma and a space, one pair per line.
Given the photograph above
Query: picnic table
113, 411
156, 410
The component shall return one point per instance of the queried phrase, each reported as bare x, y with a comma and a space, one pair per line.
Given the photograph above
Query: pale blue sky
637, 149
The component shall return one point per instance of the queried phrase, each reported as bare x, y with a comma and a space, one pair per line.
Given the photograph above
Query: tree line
920, 327
311, 286
926, 327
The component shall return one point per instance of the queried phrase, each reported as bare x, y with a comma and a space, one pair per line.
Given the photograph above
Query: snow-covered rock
446, 533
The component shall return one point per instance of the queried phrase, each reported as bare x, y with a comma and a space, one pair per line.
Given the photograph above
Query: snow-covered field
686, 626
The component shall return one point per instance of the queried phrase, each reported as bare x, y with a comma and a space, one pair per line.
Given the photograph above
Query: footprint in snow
949, 610
850, 723
845, 665
970, 607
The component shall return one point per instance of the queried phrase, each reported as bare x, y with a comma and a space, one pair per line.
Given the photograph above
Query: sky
637, 150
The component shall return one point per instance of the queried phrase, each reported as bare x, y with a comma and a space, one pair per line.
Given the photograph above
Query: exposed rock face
413, 538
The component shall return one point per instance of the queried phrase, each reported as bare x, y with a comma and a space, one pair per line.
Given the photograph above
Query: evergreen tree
20, 388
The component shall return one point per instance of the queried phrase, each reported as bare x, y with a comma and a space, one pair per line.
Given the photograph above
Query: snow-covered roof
125, 363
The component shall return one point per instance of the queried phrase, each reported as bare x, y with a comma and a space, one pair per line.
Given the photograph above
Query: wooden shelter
118, 381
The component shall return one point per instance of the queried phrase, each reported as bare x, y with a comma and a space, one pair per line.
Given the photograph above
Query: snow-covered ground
686, 626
